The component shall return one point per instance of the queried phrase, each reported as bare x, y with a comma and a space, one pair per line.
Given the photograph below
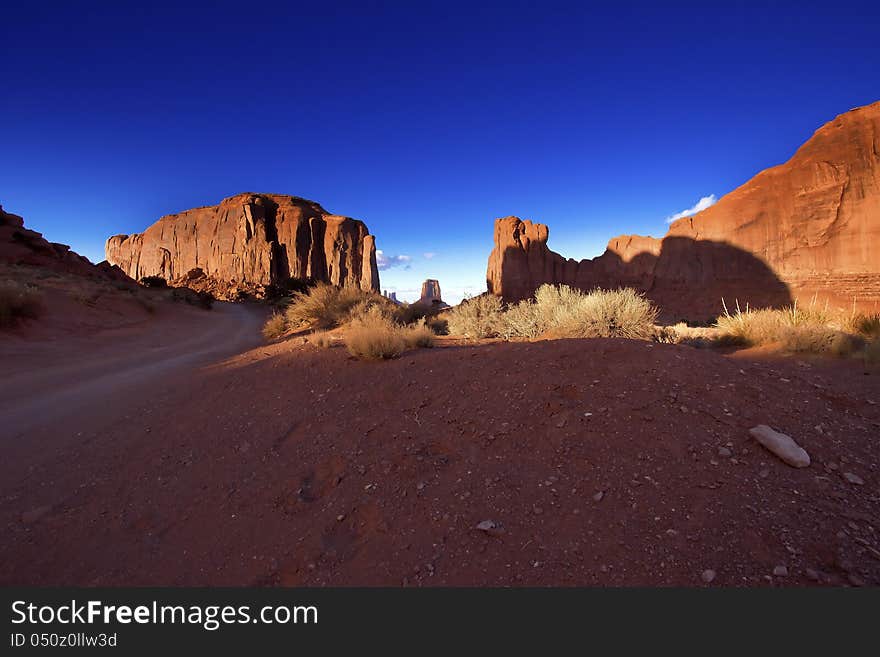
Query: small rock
723, 452
538, 510
853, 478
708, 576
855, 580
780, 571
812, 575
30, 517
598, 496
781, 445
486, 525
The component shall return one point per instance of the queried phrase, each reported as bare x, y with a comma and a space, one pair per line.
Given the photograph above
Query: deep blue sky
426, 120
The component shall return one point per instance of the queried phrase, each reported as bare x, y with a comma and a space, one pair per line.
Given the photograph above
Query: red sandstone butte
256, 239
807, 228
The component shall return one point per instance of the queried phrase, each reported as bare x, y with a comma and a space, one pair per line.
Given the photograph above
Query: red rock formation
254, 239
21, 246
809, 227
431, 291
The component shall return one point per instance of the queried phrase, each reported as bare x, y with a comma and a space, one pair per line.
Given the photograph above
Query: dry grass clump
375, 340
797, 326
558, 312
420, 336
566, 312
682, 333
18, 301
327, 306
376, 337
812, 340
521, 320
843, 344
321, 339
275, 327
439, 324
866, 325
810, 329
479, 317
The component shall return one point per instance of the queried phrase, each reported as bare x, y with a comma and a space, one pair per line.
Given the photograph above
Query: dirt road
51, 393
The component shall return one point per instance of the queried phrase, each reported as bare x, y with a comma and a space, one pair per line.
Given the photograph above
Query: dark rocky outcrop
22, 246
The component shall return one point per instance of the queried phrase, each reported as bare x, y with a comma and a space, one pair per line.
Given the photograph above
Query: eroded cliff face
255, 239
807, 228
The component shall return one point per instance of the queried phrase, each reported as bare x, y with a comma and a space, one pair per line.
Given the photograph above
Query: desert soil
585, 462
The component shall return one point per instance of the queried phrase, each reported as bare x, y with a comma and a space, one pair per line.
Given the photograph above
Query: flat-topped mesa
254, 239
802, 230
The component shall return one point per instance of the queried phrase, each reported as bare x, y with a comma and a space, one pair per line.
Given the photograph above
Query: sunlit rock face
256, 239
805, 229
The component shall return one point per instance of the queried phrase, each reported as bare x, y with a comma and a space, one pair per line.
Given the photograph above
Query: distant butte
807, 228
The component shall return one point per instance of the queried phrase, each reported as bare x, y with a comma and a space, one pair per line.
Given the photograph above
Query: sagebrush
557, 312
810, 328
274, 327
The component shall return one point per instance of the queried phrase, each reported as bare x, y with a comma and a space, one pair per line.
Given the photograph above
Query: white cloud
701, 205
388, 261
429, 255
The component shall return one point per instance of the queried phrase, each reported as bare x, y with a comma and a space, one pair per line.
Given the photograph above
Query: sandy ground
597, 462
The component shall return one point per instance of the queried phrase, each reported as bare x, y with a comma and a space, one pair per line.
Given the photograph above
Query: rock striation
805, 229
253, 241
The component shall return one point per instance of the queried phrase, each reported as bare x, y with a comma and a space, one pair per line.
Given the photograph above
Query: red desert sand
570, 462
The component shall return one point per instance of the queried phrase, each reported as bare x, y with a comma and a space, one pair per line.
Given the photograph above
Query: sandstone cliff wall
807, 228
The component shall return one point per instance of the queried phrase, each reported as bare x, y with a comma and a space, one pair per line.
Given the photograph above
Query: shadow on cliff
687, 279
